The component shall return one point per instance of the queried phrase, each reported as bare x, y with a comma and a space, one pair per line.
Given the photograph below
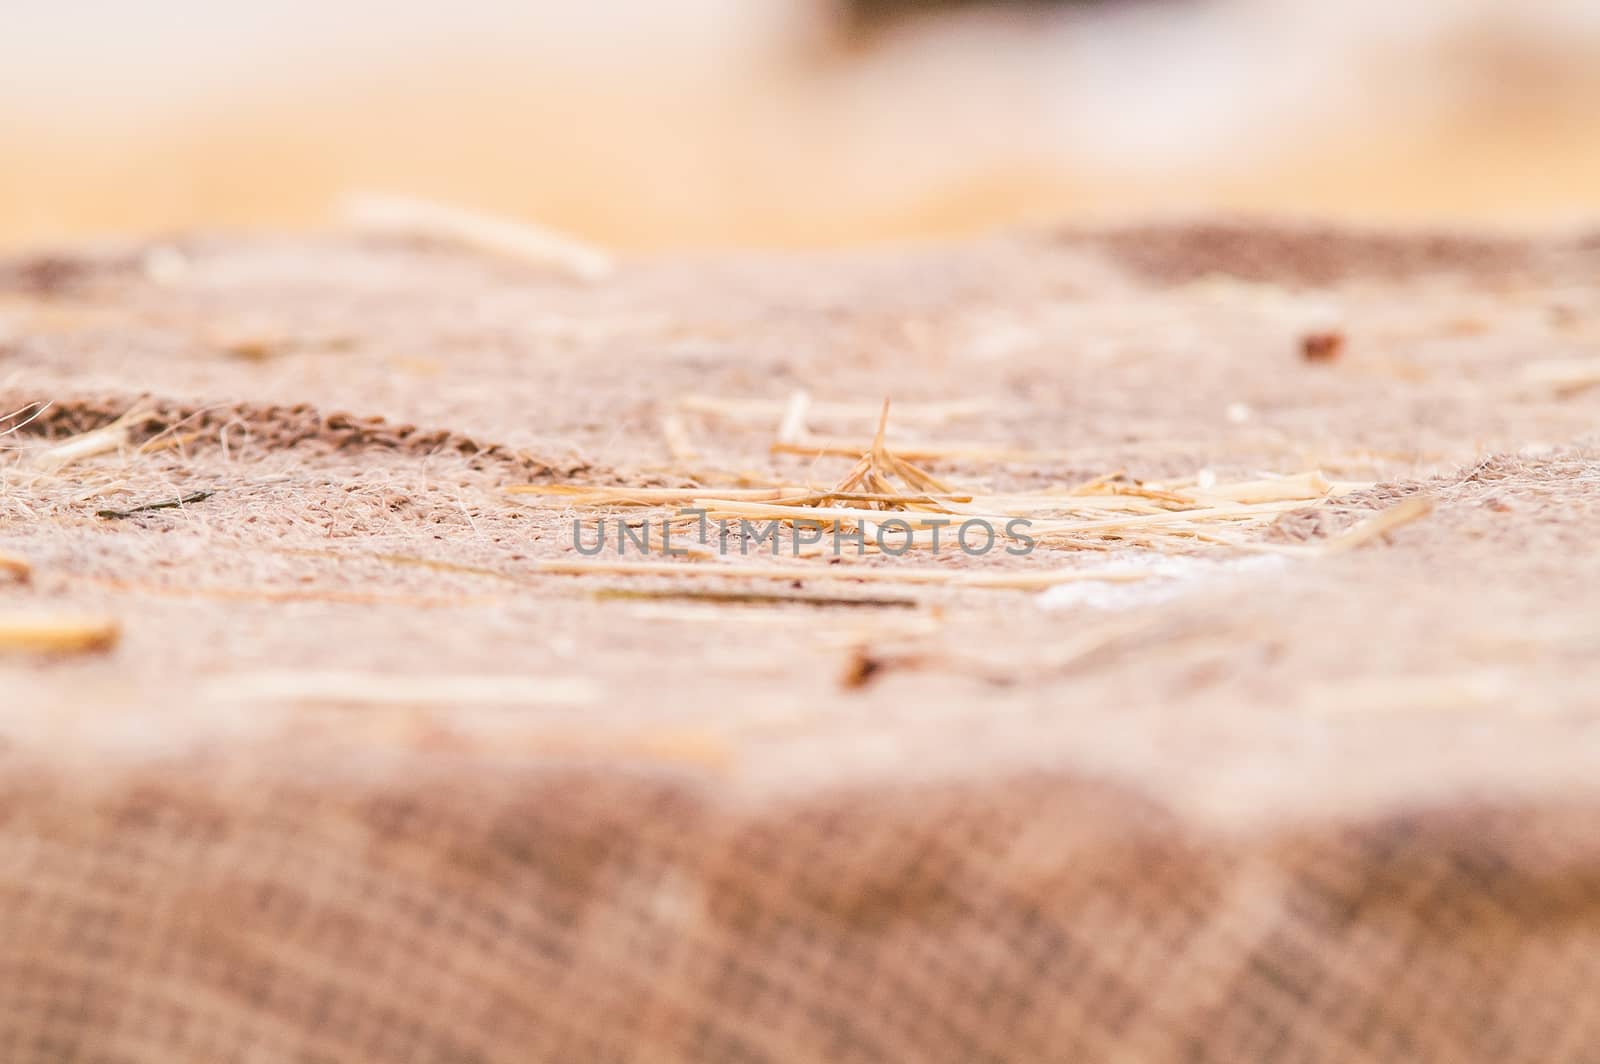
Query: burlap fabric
358, 783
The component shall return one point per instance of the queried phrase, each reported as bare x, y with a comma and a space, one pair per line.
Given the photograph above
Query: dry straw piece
520, 240
793, 426
107, 438
1176, 517
676, 433
34, 633
1380, 524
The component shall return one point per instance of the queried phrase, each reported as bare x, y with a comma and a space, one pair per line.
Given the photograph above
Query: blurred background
655, 124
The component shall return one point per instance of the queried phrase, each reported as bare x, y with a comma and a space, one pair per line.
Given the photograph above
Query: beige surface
358, 779
714, 123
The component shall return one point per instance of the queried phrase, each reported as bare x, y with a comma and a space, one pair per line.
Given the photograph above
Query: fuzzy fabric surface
319, 745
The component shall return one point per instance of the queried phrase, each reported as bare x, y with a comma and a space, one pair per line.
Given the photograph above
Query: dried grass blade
1379, 524
112, 437
44, 634
515, 239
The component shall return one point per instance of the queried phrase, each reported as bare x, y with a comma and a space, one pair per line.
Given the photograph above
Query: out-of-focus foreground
706, 122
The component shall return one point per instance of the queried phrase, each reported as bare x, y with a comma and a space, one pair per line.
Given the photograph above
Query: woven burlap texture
1324, 808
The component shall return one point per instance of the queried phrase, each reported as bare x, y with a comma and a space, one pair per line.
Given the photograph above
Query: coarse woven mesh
602, 914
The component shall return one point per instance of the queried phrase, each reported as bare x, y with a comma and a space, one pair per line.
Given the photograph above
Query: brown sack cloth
308, 754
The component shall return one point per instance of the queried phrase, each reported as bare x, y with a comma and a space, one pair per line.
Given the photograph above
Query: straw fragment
1380, 524
793, 426
112, 437
521, 240
676, 433
57, 634
1302, 486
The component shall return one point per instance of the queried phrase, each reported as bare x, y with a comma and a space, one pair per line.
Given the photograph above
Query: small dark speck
1322, 346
